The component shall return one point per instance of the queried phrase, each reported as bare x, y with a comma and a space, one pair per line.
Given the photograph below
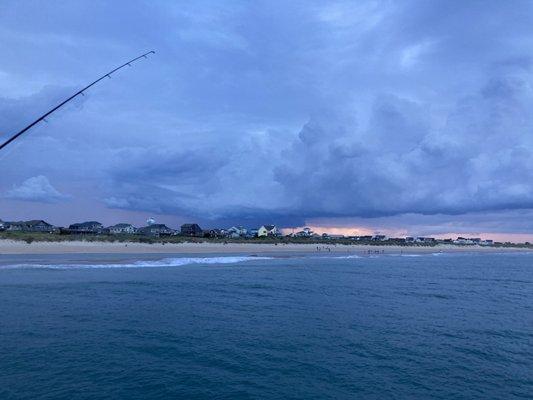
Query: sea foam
166, 262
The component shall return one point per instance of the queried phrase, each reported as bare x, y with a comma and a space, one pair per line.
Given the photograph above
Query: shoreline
10, 247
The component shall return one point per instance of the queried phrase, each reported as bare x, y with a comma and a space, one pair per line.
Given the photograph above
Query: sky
397, 117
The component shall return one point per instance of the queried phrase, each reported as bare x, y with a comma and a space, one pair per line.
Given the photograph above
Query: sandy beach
81, 247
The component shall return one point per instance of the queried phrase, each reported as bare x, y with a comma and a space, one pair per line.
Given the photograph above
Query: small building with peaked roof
34, 225
268, 230
156, 230
89, 227
191, 230
118, 229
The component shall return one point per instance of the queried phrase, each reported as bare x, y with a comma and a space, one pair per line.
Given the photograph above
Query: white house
268, 230
465, 241
422, 239
30, 226
305, 232
237, 231
122, 228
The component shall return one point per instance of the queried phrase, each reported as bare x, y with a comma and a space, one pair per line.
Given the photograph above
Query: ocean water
304, 327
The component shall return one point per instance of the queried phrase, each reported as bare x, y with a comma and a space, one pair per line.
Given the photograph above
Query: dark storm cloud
478, 160
279, 111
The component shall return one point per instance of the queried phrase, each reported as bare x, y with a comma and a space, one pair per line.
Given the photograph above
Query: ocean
435, 326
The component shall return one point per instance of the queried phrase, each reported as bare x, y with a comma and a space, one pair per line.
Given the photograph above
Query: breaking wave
167, 262
345, 257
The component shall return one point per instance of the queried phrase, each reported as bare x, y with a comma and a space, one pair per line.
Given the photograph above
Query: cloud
246, 113
397, 161
412, 54
37, 189
477, 160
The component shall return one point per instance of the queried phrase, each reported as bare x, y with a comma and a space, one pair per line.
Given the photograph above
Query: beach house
215, 233
38, 225
305, 232
191, 230
268, 230
364, 238
426, 240
30, 226
14, 226
379, 238
118, 229
156, 230
236, 232
87, 228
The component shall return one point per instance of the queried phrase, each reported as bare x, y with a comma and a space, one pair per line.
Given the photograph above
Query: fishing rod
43, 117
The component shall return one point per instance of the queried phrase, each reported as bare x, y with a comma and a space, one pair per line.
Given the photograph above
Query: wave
345, 257
166, 262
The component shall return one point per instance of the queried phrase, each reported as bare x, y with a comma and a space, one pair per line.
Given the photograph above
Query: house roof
155, 226
15, 222
86, 224
36, 222
32, 222
121, 226
190, 226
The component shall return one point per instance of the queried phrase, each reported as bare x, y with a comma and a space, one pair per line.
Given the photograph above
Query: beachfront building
14, 226
305, 232
364, 238
397, 240
330, 236
379, 238
215, 233
335, 237
30, 226
118, 229
425, 240
2, 225
467, 241
86, 228
461, 241
156, 230
236, 232
268, 230
191, 230
38, 225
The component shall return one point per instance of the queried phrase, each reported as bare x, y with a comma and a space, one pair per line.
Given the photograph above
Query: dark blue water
440, 327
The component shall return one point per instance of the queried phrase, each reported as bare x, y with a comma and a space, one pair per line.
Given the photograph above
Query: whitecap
166, 262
